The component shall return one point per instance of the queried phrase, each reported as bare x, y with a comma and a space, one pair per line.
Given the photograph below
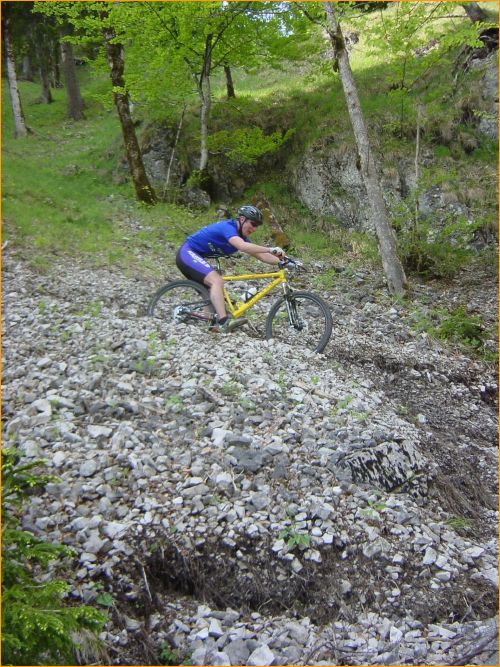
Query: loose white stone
429, 556
261, 656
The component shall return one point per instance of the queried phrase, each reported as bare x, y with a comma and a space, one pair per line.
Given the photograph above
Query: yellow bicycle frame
237, 309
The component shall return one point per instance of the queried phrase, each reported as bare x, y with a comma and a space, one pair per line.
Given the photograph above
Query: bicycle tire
170, 303
313, 328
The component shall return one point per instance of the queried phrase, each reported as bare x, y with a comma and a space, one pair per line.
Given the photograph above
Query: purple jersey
214, 239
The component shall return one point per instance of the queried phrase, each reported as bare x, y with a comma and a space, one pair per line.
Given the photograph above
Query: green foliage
432, 248
246, 144
432, 253
231, 388
325, 280
282, 383
170, 656
105, 600
414, 37
195, 179
373, 510
78, 199
460, 524
37, 625
294, 539
341, 404
456, 326
420, 43
248, 404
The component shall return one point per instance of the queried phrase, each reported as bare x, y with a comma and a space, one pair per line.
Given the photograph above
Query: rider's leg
224, 323
196, 268
215, 283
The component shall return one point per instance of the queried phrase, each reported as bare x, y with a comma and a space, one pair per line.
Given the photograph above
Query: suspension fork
290, 306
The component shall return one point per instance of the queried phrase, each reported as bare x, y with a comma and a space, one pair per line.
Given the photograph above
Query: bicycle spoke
182, 302
304, 319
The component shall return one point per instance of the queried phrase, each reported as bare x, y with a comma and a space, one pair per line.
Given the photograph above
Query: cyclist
223, 238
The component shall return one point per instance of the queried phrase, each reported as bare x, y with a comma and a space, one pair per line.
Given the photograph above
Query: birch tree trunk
20, 128
172, 154
75, 103
205, 102
474, 11
114, 52
393, 270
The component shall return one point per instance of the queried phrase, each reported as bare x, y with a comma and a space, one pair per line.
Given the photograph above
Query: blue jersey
214, 239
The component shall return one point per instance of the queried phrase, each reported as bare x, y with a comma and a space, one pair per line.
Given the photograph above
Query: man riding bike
223, 238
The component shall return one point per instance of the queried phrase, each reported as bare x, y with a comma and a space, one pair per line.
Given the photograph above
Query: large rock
328, 182
389, 466
488, 123
161, 159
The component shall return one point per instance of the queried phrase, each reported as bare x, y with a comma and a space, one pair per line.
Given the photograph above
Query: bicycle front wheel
300, 318
182, 301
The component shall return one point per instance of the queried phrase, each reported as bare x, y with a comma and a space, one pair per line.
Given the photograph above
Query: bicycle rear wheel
182, 301
300, 318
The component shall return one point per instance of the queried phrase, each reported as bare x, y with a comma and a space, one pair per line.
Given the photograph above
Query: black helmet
252, 213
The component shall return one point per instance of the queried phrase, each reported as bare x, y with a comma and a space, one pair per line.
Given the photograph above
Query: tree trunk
45, 94
229, 82
56, 69
26, 69
43, 57
75, 102
279, 236
114, 52
176, 141
20, 128
393, 269
205, 102
474, 11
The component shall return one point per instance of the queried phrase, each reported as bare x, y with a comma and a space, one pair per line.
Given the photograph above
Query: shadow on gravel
260, 582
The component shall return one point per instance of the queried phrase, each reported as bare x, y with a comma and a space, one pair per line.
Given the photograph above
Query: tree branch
479, 648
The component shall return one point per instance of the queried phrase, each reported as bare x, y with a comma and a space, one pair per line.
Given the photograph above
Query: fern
37, 623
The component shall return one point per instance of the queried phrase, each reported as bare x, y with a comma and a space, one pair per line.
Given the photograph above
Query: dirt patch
259, 581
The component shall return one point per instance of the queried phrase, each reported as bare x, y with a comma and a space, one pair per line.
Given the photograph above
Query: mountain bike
297, 317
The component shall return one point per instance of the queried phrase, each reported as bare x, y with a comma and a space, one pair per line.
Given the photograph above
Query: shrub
459, 326
456, 326
433, 248
245, 145
37, 624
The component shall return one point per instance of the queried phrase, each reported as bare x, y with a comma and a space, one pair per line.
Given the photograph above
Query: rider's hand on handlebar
279, 252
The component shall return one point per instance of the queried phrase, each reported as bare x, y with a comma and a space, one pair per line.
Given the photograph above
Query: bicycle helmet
252, 213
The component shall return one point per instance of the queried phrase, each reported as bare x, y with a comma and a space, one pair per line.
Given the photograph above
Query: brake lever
291, 263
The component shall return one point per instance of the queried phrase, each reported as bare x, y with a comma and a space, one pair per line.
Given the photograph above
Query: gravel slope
250, 503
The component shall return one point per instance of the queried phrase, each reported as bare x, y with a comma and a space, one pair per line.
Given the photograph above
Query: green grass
55, 190
60, 195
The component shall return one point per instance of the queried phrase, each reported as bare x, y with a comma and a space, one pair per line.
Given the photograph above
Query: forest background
236, 98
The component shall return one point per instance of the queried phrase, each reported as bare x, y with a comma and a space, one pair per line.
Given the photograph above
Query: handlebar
286, 262
289, 263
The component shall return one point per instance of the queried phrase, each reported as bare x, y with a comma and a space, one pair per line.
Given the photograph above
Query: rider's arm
258, 251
